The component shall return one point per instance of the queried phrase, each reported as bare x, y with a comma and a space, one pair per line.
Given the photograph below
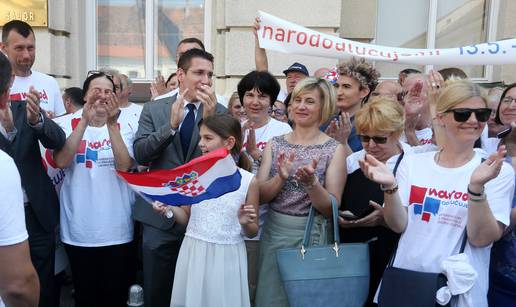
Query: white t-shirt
436, 200
490, 145
424, 136
50, 94
263, 135
12, 212
130, 116
95, 203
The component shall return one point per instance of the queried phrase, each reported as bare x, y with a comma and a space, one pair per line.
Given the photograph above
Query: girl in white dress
211, 269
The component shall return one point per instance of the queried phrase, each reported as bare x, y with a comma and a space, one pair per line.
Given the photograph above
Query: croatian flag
206, 177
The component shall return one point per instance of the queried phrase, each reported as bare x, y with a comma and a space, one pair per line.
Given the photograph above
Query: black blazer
25, 152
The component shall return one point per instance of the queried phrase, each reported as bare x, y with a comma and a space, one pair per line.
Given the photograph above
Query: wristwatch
169, 213
389, 190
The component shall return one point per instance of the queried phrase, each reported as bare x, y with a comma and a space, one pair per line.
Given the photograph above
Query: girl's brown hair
224, 125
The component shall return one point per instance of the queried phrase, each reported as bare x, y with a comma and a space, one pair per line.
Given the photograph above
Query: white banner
280, 35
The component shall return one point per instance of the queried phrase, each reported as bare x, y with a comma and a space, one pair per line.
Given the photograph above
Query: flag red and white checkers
206, 177
280, 35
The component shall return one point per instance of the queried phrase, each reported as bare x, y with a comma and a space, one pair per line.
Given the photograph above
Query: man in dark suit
167, 137
22, 126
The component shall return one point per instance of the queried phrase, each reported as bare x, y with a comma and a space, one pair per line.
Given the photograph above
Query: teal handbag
325, 275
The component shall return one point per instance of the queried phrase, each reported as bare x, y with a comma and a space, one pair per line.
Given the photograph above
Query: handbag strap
398, 161
310, 222
462, 247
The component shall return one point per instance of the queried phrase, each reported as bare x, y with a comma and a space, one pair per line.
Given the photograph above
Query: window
139, 37
435, 24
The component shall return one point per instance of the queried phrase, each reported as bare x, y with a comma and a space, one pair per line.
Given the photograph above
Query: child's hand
246, 214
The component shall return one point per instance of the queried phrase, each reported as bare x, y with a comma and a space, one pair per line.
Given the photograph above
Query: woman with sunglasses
379, 125
437, 197
96, 221
502, 277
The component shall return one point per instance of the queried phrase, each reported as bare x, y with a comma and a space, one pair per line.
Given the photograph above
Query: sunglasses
463, 114
98, 72
376, 139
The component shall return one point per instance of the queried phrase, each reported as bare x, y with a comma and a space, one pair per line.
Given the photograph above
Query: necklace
438, 156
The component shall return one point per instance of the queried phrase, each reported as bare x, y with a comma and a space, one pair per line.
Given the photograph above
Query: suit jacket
24, 150
154, 145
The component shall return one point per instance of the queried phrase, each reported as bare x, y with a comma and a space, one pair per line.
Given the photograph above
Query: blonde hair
328, 97
457, 91
362, 71
234, 98
382, 115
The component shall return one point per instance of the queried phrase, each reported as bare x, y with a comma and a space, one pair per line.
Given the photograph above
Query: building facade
138, 37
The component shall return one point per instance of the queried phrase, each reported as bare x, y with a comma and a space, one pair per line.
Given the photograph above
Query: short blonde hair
457, 91
382, 115
326, 90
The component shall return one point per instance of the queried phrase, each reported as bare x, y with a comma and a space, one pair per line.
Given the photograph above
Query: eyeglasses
279, 112
376, 139
508, 100
463, 114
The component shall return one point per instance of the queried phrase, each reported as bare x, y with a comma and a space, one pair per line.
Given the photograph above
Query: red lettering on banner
350, 48
290, 32
265, 28
327, 46
342, 48
280, 36
304, 39
371, 52
317, 39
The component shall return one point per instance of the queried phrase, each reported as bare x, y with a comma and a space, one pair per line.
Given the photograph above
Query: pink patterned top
292, 199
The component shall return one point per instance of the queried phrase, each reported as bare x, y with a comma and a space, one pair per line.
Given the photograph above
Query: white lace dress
211, 269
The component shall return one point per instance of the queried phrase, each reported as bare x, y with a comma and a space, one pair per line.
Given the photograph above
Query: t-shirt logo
424, 206
43, 97
86, 155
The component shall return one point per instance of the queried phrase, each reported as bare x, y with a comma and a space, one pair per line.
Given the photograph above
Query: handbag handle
310, 222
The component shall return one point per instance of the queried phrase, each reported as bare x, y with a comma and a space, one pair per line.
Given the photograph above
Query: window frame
151, 27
